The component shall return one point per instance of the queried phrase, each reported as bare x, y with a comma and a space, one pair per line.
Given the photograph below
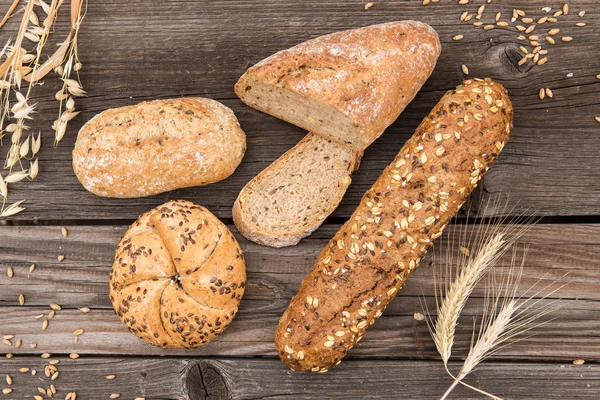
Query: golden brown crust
157, 146
371, 256
178, 276
369, 74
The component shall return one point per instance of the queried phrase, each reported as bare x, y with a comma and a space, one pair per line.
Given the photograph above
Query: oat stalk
20, 64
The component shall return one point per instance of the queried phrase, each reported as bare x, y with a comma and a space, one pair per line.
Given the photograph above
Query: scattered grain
368, 5
418, 316
74, 356
566, 39
465, 70
580, 24
7, 390
45, 324
579, 361
110, 377
115, 396
458, 37
85, 310
10, 272
565, 9
21, 299
549, 93
61, 257
45, 355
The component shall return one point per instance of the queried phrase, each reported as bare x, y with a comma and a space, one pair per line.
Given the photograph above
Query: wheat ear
458, 293
515, 316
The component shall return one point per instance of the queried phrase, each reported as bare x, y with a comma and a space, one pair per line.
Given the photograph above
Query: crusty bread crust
346, 161
368, 74
178, 276
372, 255
157, 146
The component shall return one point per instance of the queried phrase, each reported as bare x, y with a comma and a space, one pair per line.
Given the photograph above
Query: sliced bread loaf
292, 197
348, 86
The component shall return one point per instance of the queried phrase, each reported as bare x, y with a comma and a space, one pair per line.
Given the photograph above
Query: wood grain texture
226, 379
414, 380
141, 50
134, 377
273, 278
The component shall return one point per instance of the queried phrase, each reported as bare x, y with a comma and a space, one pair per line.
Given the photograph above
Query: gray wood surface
274, 275
175, 378
141, 50
134, 377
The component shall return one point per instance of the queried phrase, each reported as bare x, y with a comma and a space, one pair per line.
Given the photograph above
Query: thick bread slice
368, 260
292, 197
348, 86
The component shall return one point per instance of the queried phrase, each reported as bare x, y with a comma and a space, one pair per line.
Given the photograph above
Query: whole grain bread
368, 260
157, 146
178, 276
347, 86
292, 197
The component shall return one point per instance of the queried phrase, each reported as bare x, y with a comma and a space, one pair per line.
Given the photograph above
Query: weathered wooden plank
267, 379
274, 274
231, 379
134, 377
572, 334
273, 277
142, 50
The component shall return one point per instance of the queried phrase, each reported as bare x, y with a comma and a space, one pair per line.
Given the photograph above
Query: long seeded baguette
371, 256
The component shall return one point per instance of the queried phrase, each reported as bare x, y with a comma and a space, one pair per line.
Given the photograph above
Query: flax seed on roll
178, 276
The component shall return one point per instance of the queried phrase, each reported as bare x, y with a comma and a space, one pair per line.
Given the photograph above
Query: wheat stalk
489, 242
458, 293
505, 316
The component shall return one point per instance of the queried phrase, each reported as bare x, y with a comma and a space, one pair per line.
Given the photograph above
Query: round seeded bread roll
178, 276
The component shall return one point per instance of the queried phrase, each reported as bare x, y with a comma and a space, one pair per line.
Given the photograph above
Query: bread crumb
419, 317
368, 5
